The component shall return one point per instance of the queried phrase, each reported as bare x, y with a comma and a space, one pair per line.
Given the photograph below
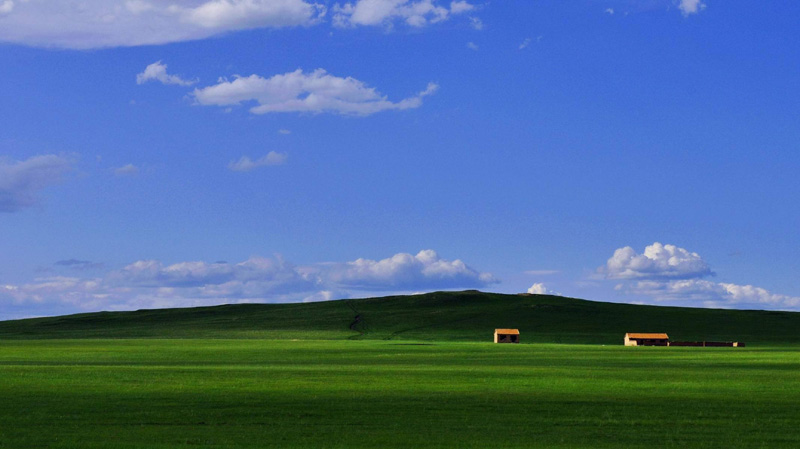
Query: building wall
506, 338
645, 342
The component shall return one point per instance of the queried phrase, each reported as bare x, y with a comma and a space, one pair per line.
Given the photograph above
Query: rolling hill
440, 316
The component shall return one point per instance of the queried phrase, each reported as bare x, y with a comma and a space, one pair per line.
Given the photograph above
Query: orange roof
507, 331
648, 336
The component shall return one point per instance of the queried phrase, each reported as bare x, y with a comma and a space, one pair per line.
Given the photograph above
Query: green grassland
218, 393
443, 316
410, 372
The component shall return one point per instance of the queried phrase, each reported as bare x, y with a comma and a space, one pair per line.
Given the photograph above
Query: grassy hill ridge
439, 316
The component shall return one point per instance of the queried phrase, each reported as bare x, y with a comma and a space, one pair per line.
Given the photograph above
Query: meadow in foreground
393, 394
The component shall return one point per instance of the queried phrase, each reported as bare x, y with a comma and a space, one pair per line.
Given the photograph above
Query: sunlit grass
374, 394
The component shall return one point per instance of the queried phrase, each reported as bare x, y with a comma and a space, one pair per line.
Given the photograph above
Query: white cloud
242, 14
610, 11
458, 7
670, 274
415, 13
285, 132
158, 72
314, 92
127, 170
20, 181
712, 294
472, 46
657, 262
476, 23
689, 7
404, 271
150, 283
246, 164
6, 7
323, 295
255, 277
525, 43
538, 289
111, 23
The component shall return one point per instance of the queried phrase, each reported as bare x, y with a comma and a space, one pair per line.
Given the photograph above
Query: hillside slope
440, 316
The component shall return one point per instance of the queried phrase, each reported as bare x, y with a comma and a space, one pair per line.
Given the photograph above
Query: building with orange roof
506, 335
646, 339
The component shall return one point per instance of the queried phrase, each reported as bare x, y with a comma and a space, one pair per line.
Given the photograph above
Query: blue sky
180, 153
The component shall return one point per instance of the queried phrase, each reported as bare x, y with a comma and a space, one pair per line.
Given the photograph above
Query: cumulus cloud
472, 46
415, 13
247, 164
610, 11
151, 283
403, 271
657, 262
21, 181
538, 289
111, 23
313, 92
689, 7
675, 275
157, 71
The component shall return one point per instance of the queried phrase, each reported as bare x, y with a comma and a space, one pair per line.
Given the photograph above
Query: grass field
400, 372
217, 393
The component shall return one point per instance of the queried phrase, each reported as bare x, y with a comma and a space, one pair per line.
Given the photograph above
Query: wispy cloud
689, 7
314, 92
246, 164
476, 23
112, 23
6, 7
527, 42
472, 46
21, 181
542, 272
151, 283
77, 264
127, 170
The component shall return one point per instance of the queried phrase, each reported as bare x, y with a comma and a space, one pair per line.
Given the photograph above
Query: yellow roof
507, 331
648, 336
